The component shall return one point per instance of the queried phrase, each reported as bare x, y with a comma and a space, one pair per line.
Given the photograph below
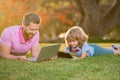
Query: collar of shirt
75, 50
22, 40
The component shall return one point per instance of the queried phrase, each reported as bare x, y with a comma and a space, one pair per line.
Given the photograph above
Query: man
16, 41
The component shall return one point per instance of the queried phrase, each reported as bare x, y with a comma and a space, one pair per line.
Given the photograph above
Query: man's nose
34, 32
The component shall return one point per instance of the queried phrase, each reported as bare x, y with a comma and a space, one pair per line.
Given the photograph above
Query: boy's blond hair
76, 33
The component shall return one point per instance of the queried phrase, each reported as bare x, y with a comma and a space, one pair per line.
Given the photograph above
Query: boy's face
31, 30
73, 44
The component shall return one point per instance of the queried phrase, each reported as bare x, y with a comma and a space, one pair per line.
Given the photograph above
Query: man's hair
31, 17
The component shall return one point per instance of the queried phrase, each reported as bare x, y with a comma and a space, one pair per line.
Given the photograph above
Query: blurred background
99, 18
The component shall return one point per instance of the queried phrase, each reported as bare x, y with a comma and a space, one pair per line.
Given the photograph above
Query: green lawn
104, 67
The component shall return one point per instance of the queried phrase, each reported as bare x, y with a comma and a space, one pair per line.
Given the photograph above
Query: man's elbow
3, 55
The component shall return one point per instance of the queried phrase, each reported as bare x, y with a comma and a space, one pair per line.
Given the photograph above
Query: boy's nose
72, 42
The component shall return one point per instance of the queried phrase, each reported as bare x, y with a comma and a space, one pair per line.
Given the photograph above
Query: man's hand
23, 58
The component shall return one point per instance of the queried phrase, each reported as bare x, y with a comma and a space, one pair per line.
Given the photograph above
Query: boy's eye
71, 41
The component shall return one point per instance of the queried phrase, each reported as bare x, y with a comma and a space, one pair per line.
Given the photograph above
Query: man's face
31, 30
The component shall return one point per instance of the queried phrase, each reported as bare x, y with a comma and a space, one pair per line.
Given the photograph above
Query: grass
103, 67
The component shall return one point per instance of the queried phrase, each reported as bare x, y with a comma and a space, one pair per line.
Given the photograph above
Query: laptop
46, 52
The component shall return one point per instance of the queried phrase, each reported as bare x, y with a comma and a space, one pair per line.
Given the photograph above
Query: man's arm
5, 53
35, 51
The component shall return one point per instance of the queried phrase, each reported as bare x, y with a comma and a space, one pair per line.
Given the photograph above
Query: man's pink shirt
13, 37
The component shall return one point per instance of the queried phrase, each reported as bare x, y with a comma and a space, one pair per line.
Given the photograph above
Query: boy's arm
83, 55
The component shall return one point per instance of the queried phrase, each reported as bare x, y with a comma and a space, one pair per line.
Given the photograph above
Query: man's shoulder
11, 29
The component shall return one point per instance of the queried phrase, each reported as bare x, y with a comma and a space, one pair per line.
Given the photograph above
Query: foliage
12, 12
58, 16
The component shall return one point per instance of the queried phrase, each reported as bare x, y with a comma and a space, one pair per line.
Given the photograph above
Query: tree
98, 17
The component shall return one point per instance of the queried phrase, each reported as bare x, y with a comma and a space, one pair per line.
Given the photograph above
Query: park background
99, 18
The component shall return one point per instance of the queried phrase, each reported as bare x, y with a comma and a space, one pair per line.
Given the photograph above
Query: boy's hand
75, 58
53, 58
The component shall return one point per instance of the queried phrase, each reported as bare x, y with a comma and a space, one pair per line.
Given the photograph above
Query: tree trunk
97, 19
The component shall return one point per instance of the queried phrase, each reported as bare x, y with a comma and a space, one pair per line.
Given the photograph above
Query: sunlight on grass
107, 44
62, 48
